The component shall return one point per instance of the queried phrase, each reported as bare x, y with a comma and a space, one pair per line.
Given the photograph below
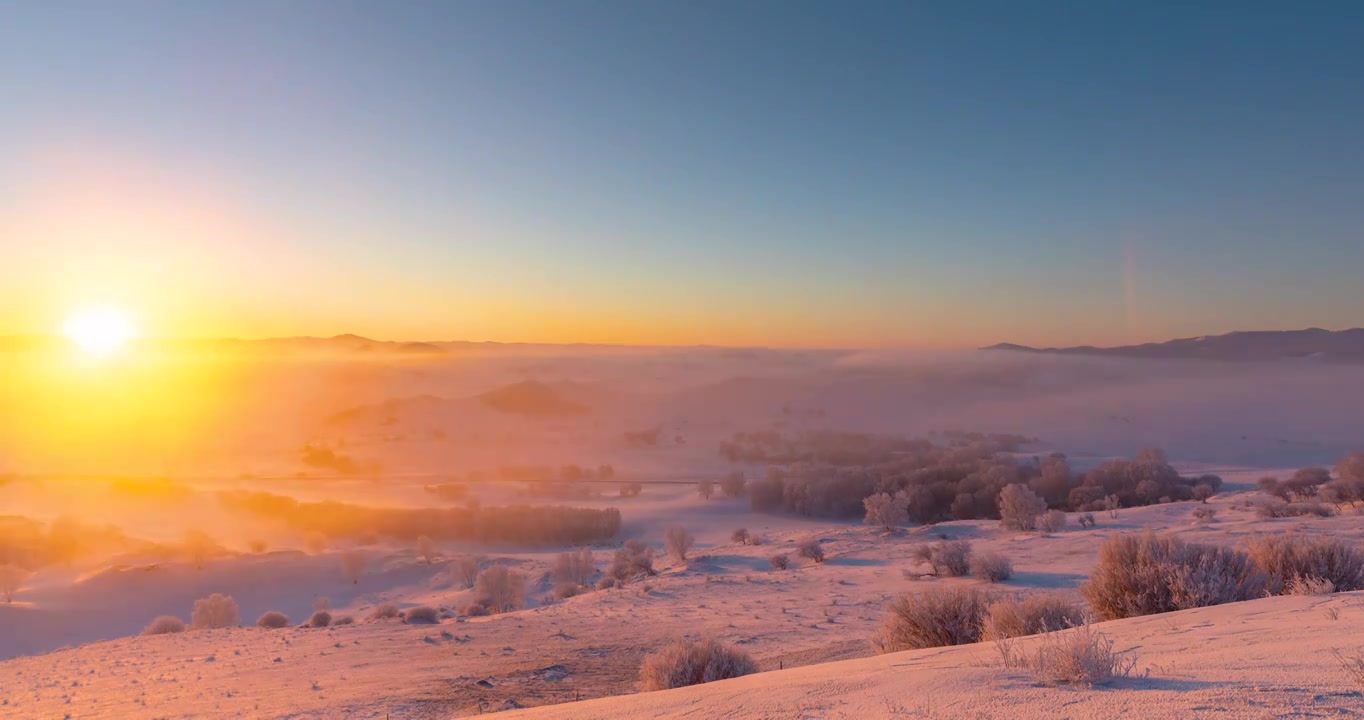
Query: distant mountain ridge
1315, 343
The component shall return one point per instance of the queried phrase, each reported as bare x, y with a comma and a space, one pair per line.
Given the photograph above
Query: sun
98, 330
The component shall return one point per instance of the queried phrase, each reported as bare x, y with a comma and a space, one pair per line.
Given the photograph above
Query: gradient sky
788, 173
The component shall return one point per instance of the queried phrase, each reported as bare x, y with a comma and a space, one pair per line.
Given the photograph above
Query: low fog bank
552, 406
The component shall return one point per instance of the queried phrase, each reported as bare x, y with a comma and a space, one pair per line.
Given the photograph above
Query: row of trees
518, 524
934, 483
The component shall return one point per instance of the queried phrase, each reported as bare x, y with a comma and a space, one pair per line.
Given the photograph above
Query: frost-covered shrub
811, 550
678, 542
933, 618
1030, 615
991, 567
421, 615
500, 589
1144, 574
386, 611
691, 663
215, 611
164, 625
1292, 558
272, 620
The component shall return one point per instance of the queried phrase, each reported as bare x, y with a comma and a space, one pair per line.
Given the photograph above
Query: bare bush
634, 560
606, 583
575, 567
272, 620
12, 577
779, 561
992, 567
740, 536
1148, 573
353, 565
678, 541
344, 620
1281, 509
1353, 665
1079, 656
1019, 507
215, 611
1204, 515
564, 591
1306, 585
950, 558
706, 489
933, 618
320, 619
691, 663
1030, 615
426, 548
886, 510
466, 569
387, 611
501, 589
421, 615
1288, 558
164, 625
1052, 521
811, 550
475, 609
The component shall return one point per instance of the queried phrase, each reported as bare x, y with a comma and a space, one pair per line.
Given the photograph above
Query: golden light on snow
98, 330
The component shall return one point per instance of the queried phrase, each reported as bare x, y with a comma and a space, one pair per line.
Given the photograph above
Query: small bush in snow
575, 567
215, 611
1020, 508
466, 569
950, 558
500, 588
421, 615
344, 620
678, 541
811, 550
1052, 521
1079, 656
992, 567
886, 510
933, 618
272, 620
1148, 573
1031, 615
1289, 558
320, 619
564, 591
740, 536
1278, 509
633, 561
475, 609
779, 561
387, 611
691, 663
164, 625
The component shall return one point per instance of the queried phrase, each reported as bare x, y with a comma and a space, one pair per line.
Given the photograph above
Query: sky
731, 173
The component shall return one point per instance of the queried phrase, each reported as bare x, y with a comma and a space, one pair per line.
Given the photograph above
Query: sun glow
98, 331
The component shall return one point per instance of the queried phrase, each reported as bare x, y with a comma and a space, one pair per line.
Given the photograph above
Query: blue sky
733, 173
